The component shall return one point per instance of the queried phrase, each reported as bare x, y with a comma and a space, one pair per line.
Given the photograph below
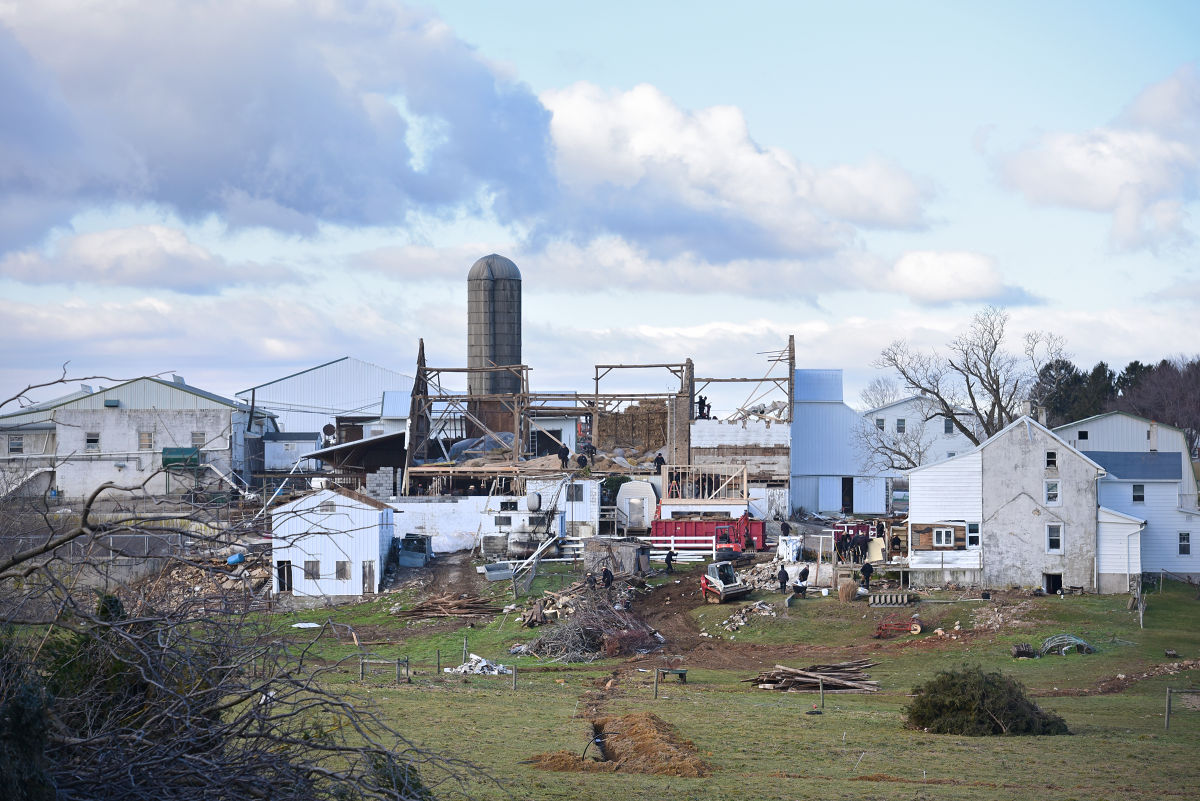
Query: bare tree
976, 372
879, 391
114, 691
887, 450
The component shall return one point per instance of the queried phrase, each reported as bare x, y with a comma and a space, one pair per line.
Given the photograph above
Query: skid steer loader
721, 583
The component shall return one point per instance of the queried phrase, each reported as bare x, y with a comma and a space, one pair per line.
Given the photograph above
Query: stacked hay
636, 743
847, 591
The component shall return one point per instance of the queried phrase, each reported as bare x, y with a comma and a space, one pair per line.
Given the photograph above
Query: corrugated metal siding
1119, 432
950, 560
870, 495
823, 440
301, 532
830, 494
818, 385
950, 490
309, 400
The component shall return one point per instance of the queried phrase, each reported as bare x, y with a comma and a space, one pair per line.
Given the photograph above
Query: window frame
1137, 493
948, 426
1081, 435
977, 534
502, 520
1061, 536
901, 425
881, 423
1057, 499
16, 444
1051, 460
312, 570
91, 442
341, 570
939, 537
145, 440
327, 507
199, 439
1184, 543
575, 493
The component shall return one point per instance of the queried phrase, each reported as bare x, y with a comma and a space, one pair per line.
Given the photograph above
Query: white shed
330, 545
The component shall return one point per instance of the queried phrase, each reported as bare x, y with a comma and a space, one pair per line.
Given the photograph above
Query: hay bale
847, 591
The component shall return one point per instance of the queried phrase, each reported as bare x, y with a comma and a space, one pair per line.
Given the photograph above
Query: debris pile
636, 743
447, 605
476, 665
211, 583
969, 702
742, 616
843, 677
595, 629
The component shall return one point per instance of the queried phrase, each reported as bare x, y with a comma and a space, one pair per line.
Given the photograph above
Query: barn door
369, 577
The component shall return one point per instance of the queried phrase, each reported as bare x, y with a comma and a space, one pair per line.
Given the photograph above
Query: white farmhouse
1019, 510
330, 545
904, 423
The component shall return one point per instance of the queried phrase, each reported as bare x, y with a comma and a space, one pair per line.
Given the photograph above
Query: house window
327, 507
1185, 543
539, 522
972, 535
91, 441
574, 493
312, 570
502, 520
1082, 435
1054, 538
198, 439
1051, 460
342, 571
950, 454
375, 432
1139, 493
16, 443
948, 425
943, 538
145, 440
1051, 493
508, 506
899, 425
879, 423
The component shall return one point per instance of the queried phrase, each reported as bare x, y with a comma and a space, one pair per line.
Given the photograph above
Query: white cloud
147, 256
1143, 169
637, 165
939, 277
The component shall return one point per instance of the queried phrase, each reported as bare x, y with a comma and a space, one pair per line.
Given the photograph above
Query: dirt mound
637, 743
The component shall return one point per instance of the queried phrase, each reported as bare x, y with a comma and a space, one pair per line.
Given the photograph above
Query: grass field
762, 745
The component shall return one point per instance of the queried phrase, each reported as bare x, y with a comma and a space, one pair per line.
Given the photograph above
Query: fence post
397, 671
656, 683
439, 661
514, 686
821, 684
1167, 723
407, 671
362, 668
464, 649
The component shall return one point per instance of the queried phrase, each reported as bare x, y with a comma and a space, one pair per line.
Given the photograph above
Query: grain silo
493, 324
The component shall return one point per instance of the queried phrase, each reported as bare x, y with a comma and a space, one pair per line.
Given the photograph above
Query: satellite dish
329, 430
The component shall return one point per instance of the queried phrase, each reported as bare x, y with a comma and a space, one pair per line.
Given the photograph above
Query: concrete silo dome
494, 268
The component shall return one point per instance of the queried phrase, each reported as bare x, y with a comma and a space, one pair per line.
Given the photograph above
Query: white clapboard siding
949, 490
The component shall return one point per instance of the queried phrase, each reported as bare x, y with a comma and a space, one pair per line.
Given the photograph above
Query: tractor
722, 583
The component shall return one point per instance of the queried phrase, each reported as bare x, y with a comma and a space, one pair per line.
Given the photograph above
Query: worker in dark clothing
564, 455
581, 460
591, 581
896, 545
866, 571
671, 561
802, 582
659, 461
784, 529
606, 578
783, 579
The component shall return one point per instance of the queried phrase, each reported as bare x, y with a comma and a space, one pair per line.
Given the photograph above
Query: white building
829, 471
311, 399
903, 424
1020, 509
1149, 476
121, 434
330, 545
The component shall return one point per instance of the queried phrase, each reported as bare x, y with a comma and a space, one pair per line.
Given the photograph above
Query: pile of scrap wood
844, 677
595, 629
449, 606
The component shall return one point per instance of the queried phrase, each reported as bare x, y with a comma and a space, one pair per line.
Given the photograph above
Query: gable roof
960, 411
1154, 466
357, 497
1028, 421
66, 400
1110, 414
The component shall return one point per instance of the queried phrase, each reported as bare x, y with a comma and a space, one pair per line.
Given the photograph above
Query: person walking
783, 579
659, 461
564, 455
866, 571
671, 561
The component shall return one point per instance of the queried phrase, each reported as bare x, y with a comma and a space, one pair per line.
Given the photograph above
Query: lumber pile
843, 677
449, 606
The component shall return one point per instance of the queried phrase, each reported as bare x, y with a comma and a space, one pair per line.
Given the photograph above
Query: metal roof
1156, 466
494, 267
1110, 414
292, 436
346, 447
396, 404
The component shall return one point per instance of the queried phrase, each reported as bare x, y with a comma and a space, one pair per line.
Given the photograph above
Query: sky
233, 192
